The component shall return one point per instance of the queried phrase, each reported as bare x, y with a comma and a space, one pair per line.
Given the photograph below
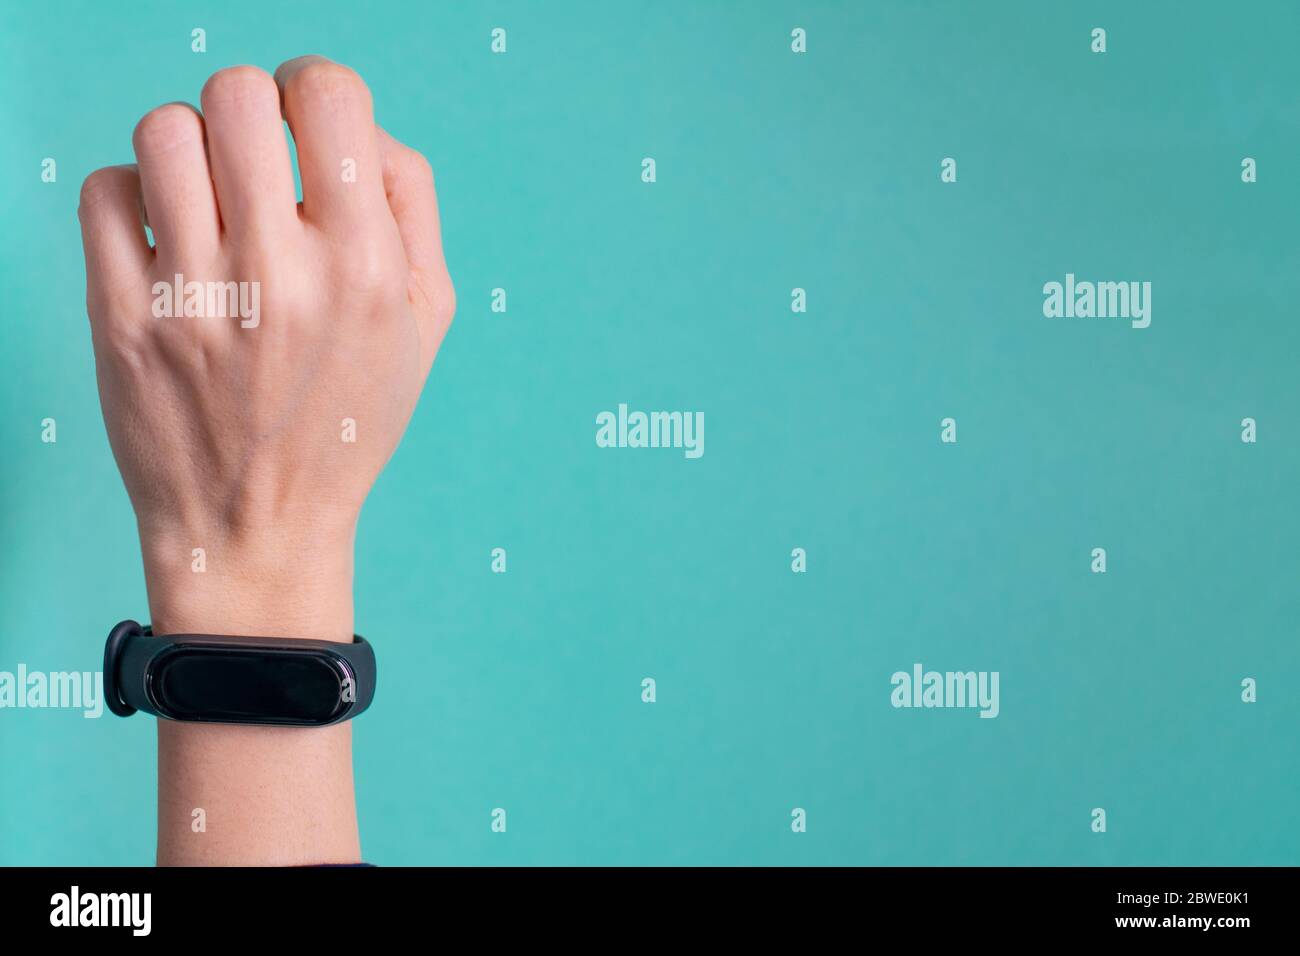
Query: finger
112, 232
175, 182
330, 115
408, 184
248, 152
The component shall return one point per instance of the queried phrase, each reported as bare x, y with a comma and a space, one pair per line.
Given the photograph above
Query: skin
230, 438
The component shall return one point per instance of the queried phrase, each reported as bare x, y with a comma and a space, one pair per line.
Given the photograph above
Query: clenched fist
258, 365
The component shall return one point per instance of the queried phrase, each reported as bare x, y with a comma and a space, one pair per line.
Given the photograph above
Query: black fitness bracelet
237, 680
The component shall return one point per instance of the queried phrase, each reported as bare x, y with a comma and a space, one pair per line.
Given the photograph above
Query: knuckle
445, 301
370, 270
239, 84
103, 184
326, 82
417, 165
166, 127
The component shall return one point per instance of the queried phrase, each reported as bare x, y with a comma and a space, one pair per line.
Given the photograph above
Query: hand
254, 429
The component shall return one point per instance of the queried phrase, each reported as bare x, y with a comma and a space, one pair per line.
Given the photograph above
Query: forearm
269, 795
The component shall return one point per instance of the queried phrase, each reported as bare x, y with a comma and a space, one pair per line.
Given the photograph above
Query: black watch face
249, 685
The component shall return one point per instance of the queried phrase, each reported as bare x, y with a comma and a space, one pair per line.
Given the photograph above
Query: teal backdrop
775, 170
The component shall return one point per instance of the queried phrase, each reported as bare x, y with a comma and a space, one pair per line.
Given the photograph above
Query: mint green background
775, 171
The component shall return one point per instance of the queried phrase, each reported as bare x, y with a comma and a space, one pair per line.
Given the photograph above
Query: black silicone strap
131, 650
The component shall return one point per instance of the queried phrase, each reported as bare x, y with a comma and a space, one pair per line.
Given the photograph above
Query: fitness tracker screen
253, 685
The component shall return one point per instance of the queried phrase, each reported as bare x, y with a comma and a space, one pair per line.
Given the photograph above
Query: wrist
250, 780
279, 582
